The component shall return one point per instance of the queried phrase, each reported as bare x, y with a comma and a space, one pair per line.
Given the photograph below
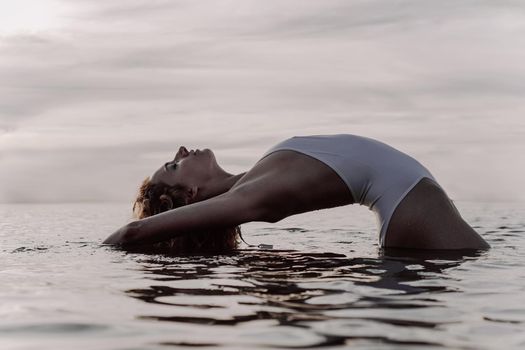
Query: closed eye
171, 165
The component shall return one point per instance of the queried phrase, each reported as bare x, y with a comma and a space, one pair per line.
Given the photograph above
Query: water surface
324, 284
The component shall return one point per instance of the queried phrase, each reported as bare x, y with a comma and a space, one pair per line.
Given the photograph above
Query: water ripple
298, 289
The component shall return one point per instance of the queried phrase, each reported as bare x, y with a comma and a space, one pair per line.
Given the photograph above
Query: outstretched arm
226, 210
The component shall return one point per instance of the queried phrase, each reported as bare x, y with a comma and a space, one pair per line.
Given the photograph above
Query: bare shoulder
288, 182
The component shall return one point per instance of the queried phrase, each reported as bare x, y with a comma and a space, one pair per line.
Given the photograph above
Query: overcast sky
94, 95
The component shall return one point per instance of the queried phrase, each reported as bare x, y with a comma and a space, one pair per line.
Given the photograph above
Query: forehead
158, 175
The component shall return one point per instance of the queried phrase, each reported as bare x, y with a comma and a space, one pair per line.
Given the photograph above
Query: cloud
120, 84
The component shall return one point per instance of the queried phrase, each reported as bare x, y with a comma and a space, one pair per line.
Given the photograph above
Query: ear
191, 194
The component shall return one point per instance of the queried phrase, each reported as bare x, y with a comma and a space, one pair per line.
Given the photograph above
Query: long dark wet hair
154, 199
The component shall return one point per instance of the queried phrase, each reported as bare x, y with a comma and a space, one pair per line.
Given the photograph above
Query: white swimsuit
378, 176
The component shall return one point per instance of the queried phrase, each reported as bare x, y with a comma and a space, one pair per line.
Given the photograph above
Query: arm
226, 210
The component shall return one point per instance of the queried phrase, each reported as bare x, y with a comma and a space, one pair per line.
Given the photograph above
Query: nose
183, 152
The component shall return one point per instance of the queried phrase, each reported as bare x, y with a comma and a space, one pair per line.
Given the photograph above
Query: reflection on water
297, 289
326, 284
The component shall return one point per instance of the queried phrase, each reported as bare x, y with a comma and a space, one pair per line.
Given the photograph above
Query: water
324, 284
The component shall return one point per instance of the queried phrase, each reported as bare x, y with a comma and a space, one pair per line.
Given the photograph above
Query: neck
219, 185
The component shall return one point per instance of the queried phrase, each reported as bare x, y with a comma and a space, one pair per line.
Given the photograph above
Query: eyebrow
166, 166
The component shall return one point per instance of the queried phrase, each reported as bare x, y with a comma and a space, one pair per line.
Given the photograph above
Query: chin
211, 156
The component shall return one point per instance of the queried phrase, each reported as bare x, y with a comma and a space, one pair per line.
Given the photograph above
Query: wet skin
282, 184
194, 164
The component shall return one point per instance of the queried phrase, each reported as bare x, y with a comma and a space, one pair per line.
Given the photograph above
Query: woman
298, 175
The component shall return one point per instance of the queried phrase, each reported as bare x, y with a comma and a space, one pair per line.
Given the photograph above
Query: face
188, 168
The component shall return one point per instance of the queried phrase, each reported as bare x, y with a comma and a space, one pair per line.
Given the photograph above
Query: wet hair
154, 199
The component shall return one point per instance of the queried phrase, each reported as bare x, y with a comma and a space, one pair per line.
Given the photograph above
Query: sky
95, 95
